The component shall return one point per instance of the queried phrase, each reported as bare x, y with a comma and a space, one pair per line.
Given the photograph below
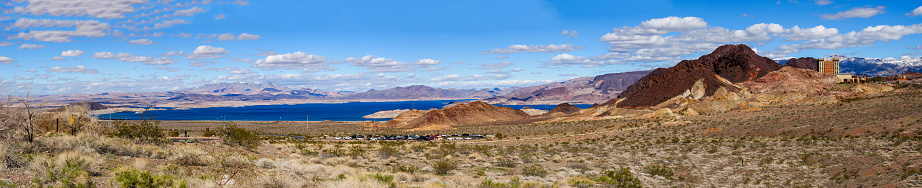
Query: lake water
352, 111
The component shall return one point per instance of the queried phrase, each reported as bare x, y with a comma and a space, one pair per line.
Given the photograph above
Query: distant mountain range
869, 66
270, 91
586, 90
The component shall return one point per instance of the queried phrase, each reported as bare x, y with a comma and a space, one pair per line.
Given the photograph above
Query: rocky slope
565, 108
470, 113
809, 63
722, 68
585, 90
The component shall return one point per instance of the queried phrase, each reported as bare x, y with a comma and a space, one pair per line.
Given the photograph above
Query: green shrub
146, 130
210, 133
134, 178
68, 175
442, 167
357, 151
240, 137
507, 162
620, 178
173, 133
660, 170
580, 181
534, 170
496, 184
388, 179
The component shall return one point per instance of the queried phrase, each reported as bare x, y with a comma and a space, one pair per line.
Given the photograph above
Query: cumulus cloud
232, 70
5, 43
569, 33
427, 62
247, 36
58, 58
189, 12
126, 57
91, 8
227, 36
915, 12
866, 37
168, 69
31, 46
87, 28
380, 64
495, 65
823, 2
77, 69
567, 59
433, 69
296, 60
205, 51
71, 53
518, 48
674, 24
818, 32
220, 17
6, 60
857, 12
173, 53
168, 23
142, 42
456, 77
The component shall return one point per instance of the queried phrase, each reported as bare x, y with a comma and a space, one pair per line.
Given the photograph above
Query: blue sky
89, 46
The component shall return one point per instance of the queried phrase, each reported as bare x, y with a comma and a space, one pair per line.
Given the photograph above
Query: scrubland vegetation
873, 141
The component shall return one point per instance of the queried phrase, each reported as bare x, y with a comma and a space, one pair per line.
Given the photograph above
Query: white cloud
189, 12
427, 62
857, 12
82, 28
173, 53
247, 36
455, 77
518, 48
31, 46
232, 70
380, 64
433, 69
77, 69
71, 53
568, 33
226, 36
674, 24
168, 69
92, 8
205, 51
495, 65
296, 60
823, 2
142, 42
567, 59
915, 12
220, 17
126, 57
58, 58
818, 32
6, 60
169, 23
5, 43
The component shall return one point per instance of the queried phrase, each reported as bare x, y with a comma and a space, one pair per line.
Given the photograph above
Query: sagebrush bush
146, 130
660, 170
240, 137
534, 170
620, 178
442, 167
135, 178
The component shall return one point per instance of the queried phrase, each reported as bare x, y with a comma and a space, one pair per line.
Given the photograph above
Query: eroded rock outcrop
723, 67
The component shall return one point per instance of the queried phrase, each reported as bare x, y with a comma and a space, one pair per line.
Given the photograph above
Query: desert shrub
8, 157
660, 170
534, 170
384, 178
387, 151
402, 167
507, 162
580, 181
146, 130
273, 182
620, 178
70, 173
173, 133
442, 167
357, 151
135, 178
486, 183
240, 137
190, 159
210, 133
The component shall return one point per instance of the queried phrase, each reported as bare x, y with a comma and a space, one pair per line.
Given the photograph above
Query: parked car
337, 138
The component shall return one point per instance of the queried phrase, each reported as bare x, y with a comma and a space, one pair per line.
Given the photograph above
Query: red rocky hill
733, 63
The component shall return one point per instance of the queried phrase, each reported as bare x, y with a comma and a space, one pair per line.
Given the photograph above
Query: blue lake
352, 111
